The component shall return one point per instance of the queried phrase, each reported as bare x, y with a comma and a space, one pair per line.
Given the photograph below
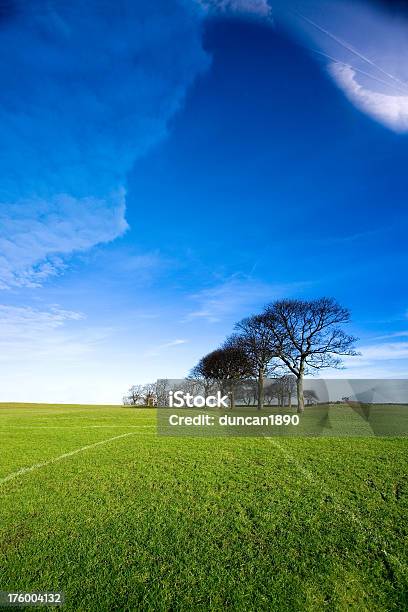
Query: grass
145, 522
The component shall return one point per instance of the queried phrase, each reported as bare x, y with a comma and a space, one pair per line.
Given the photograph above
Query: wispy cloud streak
236, 296
254, 8
160, 348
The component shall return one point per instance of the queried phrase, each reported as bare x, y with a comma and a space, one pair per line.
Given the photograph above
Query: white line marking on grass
137, 426
312, 479
318, 482
75, 426
36, 466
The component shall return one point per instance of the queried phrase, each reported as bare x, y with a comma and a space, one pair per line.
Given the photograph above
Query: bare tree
311, 397
203, 376
193, 386
247, 392
281, 389
288, 386
162, 392
226, 366
307, 336
134, 396
253, 335
150, 394
271, 393
141, 395
278, 391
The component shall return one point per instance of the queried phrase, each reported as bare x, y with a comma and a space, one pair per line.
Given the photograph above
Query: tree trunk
205, 391
290, 400
300, 398
260, 389
232, 397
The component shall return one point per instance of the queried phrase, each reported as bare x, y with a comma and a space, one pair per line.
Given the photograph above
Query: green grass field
95, 504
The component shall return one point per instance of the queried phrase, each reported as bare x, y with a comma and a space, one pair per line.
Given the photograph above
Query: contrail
371, 76
351, 49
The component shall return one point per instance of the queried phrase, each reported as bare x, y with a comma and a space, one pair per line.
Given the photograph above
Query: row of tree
278, 391
141, 395
289, 339
155, 393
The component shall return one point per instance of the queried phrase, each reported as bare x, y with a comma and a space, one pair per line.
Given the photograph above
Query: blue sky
169, 169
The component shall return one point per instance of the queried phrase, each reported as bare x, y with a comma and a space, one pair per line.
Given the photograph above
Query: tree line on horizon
289, 339
290, 336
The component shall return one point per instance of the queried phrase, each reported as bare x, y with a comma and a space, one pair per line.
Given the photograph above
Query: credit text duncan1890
205, 420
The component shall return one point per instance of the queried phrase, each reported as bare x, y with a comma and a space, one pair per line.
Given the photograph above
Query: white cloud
377, 360
174, 343
36, 235
385, 351
158, 350
258, 8
29, 334
88, 93
24, 318
390, 110
398, 334
51, 354
364, 48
